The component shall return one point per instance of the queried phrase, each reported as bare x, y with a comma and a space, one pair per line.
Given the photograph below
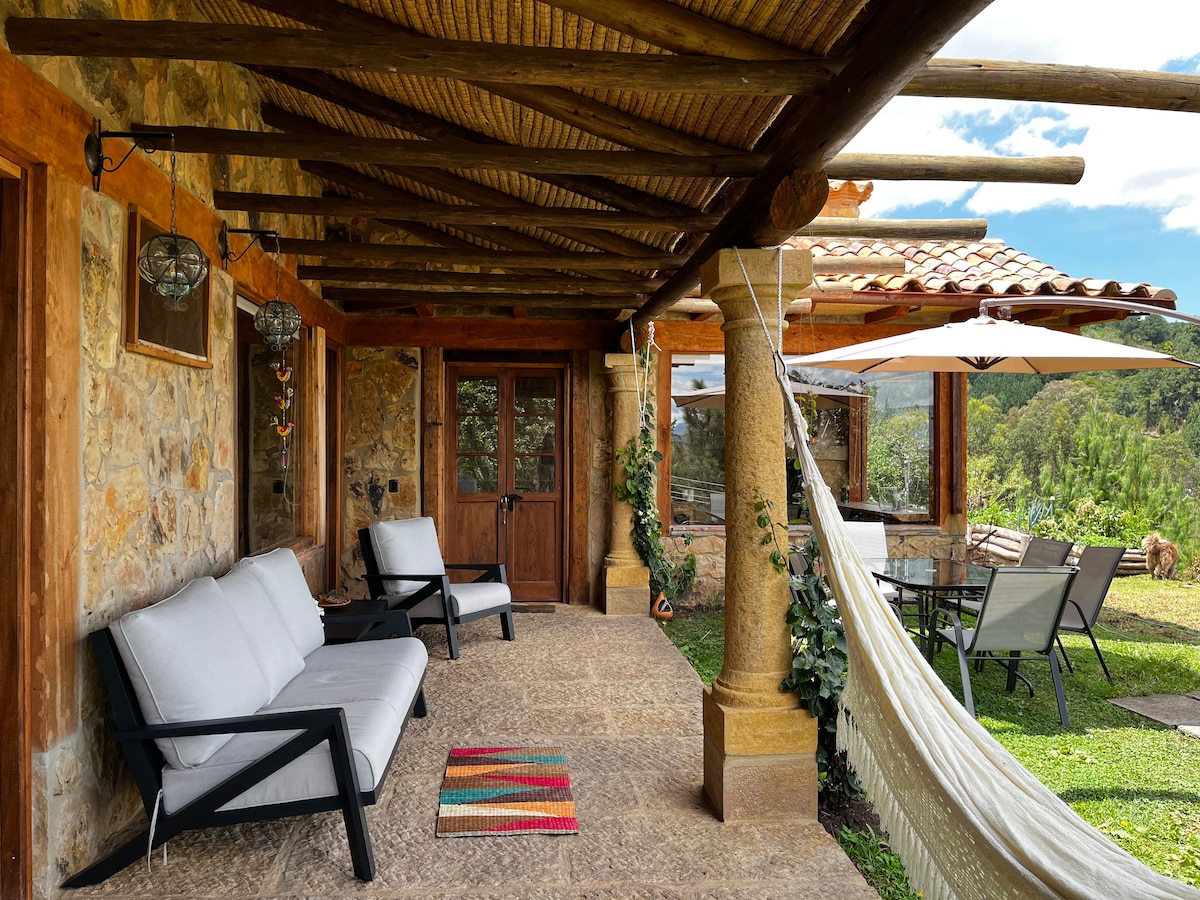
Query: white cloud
1143, 158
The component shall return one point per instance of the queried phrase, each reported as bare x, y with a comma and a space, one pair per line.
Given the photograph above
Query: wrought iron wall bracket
228, 256
93, 149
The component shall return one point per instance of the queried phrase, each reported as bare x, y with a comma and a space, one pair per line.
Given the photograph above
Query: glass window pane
535, 395
479, 393
698, 442
478, 434
478, 475
534, 474
534, 434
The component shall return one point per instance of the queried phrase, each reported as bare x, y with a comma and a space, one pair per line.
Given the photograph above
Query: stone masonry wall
382, 442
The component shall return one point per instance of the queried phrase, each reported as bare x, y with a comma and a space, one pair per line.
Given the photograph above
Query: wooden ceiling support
897, 229
887, 52
859, 265
347, 149
381, 109
886, 314
577, 110
449, 214
402, 298
888, 167
487, 63
412, 279
1051, 83
485, 259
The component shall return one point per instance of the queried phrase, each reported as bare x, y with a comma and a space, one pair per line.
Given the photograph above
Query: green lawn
1136, 781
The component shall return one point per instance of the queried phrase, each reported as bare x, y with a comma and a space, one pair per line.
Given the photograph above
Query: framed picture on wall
158, 325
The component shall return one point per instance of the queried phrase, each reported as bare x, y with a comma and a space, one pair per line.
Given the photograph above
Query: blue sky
1135, 216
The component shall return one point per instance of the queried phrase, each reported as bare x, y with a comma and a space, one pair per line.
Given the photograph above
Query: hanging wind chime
279, 324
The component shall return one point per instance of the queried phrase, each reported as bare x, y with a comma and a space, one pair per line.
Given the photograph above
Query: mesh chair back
1097, 566
1021, 608
868, 538
1045, 552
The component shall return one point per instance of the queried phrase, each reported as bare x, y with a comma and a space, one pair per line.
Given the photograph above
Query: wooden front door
506, 473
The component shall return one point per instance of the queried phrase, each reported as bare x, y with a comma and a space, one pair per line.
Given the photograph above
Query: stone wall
600, 493
382, 443
159, 508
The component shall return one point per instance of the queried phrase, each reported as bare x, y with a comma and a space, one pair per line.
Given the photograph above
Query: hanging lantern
173, 265
278, 322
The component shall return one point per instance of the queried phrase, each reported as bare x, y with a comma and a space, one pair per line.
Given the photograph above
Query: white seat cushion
407, 652
476, 596
391, 684
274, 649
188, 660
281, 577
374, 730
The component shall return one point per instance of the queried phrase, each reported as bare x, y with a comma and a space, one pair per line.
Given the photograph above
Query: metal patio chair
1045, 552
1018, 619
1097, 567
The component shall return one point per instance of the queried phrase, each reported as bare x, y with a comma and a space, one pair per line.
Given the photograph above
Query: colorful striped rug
506, 790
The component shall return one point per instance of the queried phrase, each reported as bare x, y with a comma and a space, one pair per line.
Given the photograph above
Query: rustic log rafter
578, 111
485, 259
412, 279
391, 297
372, 187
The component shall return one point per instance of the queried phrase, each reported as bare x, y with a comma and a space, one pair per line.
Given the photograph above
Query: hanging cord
797, 426
642, 387
153, 826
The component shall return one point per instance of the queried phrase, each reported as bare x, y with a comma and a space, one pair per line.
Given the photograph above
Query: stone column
759, 745
626, 578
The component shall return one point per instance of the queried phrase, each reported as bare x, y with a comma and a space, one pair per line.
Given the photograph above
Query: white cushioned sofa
231, 707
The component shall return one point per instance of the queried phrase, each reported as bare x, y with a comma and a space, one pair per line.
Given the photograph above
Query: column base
626, 590
760, 763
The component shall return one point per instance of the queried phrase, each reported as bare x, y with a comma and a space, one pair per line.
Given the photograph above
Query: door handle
506, 505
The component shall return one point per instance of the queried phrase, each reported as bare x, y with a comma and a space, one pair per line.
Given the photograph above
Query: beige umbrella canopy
714, 397
984, 344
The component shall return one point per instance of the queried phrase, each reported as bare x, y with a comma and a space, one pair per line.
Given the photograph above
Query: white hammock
967, 819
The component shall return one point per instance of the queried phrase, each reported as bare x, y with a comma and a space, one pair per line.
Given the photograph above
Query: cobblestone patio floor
622, 701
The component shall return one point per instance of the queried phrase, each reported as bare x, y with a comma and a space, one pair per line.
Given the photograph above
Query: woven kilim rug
506, 790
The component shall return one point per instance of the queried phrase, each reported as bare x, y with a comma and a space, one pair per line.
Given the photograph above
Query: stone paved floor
626, 706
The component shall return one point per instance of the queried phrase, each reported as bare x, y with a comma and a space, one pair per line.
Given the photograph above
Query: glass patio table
932, 582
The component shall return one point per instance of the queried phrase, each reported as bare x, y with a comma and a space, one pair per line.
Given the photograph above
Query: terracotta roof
987, 267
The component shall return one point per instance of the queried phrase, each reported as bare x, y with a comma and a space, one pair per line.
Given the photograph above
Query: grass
1134, 780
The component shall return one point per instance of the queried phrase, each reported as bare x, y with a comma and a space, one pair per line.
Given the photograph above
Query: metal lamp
278, 322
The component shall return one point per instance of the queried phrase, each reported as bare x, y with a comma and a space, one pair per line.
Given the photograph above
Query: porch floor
624, 704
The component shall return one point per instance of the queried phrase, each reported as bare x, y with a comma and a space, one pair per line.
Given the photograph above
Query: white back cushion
277, 654
407, 547
281, 577
188, 660
868, 538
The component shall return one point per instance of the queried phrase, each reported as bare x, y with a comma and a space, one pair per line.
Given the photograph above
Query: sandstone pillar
759, 745
626, 578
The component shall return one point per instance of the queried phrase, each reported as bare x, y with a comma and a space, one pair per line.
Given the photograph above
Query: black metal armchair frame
433, 584
137, 738
1027, 617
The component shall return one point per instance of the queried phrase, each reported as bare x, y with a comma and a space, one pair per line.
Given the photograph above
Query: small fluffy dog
1161, 556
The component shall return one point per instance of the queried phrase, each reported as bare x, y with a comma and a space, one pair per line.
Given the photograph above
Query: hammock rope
967, 819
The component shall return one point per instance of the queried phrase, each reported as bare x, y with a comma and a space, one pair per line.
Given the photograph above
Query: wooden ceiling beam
677, 29
485, 259
1053, 83
349, 149
372, 187
458, 298
411, 279
395, 54
888, 167
577, 110
604, 190
447, 214
859, 265
897, 229
889, 49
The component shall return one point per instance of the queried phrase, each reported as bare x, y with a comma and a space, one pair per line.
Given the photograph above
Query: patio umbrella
714, 397
984, 344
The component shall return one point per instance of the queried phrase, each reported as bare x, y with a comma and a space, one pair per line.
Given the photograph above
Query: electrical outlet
393, 485
277, 486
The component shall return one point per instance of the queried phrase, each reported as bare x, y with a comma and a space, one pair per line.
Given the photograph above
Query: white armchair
405, 567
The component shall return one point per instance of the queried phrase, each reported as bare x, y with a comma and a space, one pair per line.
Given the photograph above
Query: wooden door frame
436, 461
21, 343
